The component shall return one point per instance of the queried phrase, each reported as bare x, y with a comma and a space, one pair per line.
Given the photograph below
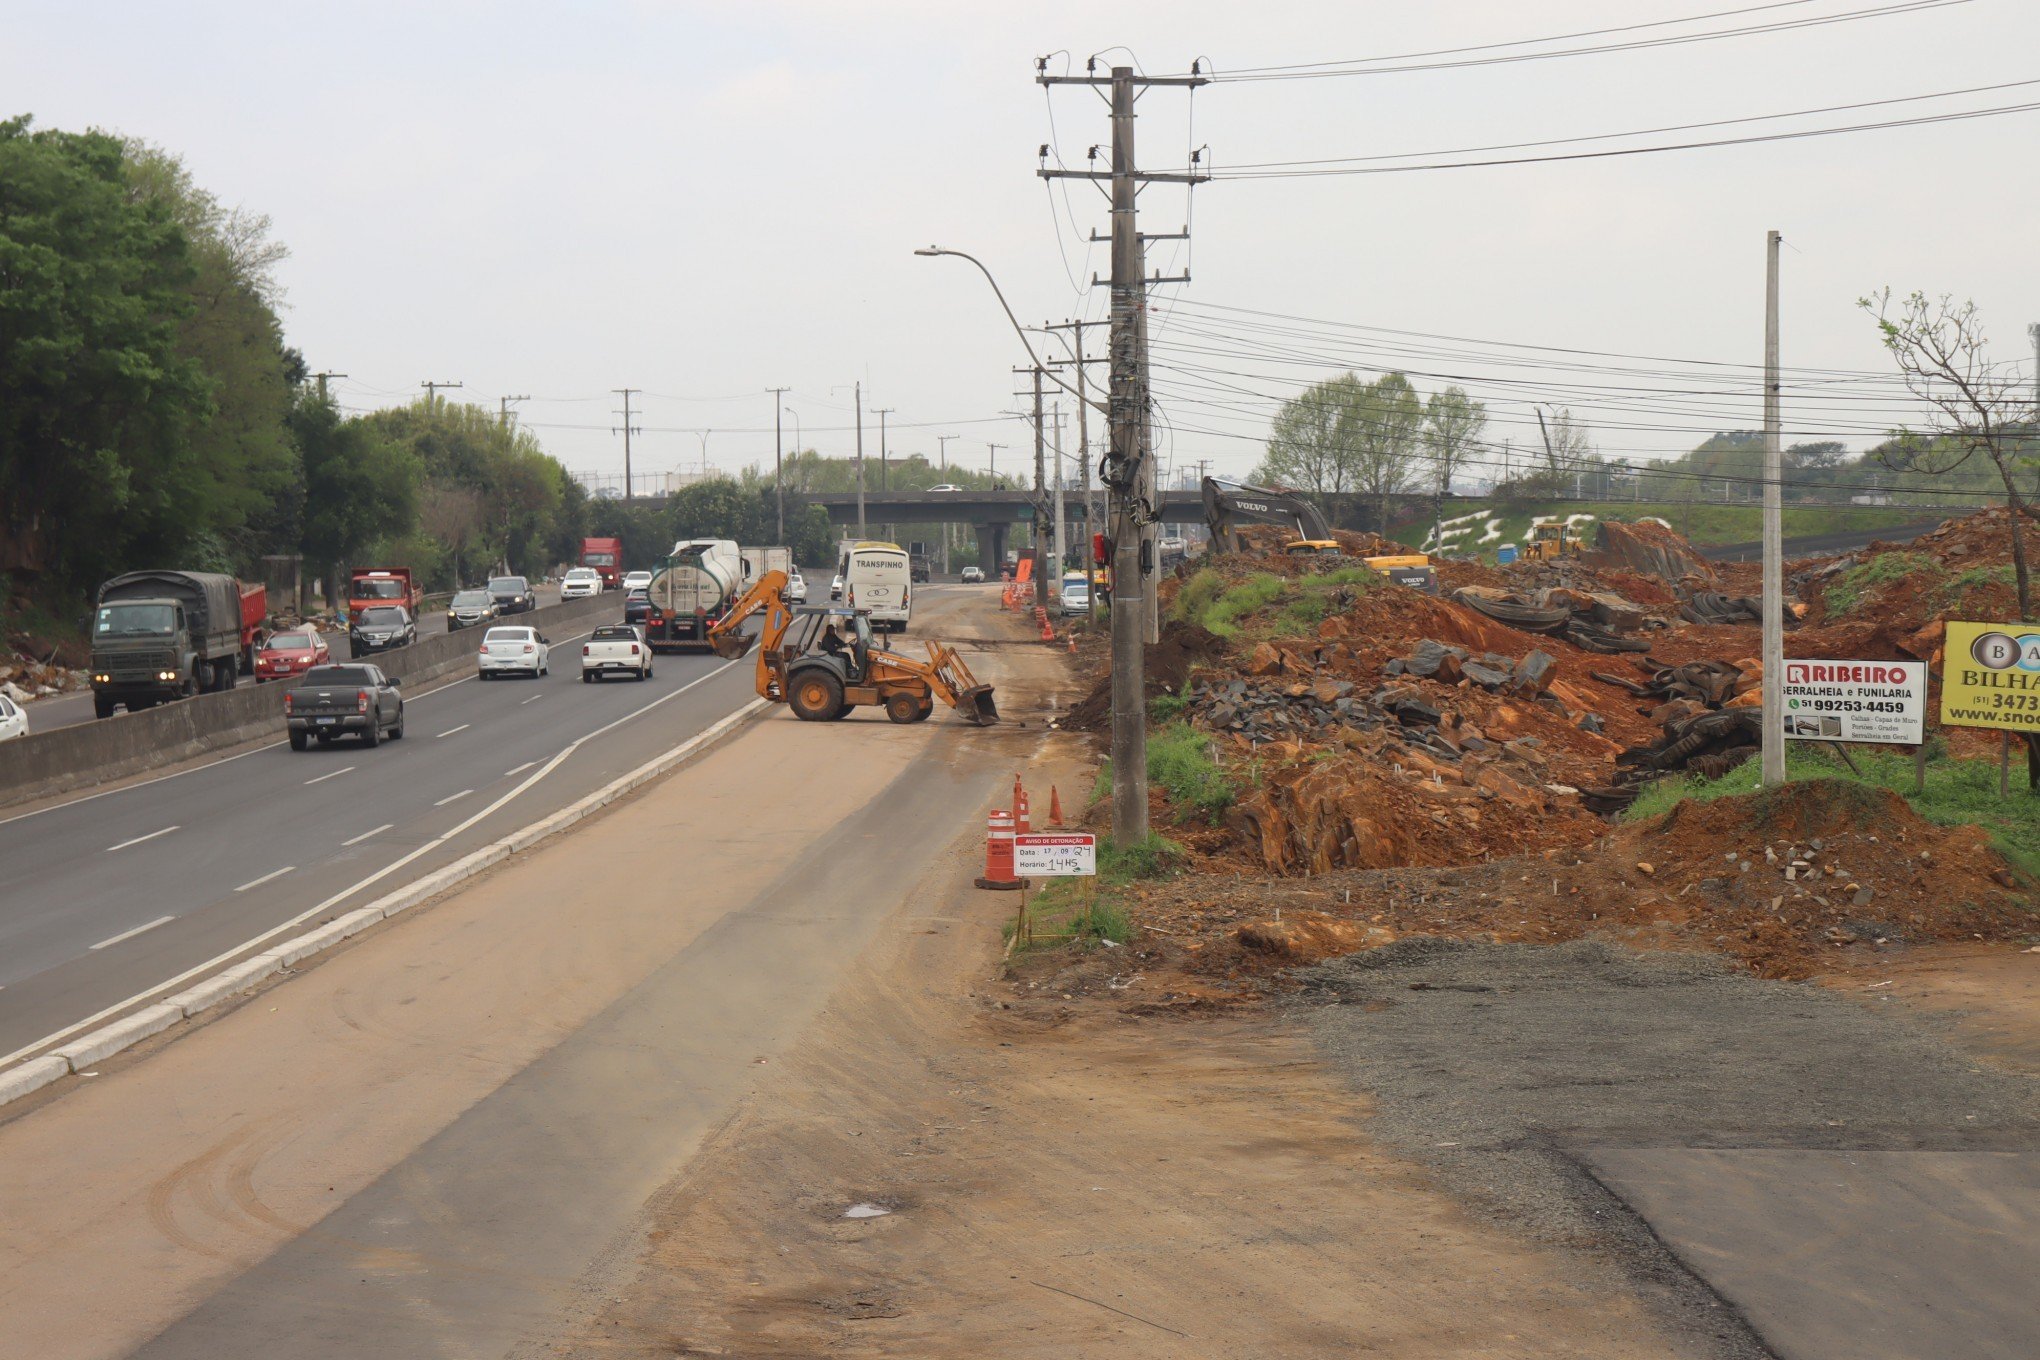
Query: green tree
1312, 440
1388, 441
98, 405
1453, 422
361, 488
231, 332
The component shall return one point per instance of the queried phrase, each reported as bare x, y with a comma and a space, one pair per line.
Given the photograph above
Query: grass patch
1208, 601
1850, 587
1981, 578
1166, 707
1069, 911
1958, 793
1179, 759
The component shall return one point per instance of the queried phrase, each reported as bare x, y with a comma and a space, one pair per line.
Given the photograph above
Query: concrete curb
129, 1030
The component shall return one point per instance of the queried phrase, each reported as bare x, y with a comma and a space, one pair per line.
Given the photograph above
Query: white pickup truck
615, 649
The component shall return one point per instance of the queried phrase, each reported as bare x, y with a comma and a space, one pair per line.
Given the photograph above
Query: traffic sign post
1050, 854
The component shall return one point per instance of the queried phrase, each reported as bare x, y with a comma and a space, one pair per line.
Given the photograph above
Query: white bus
878, 578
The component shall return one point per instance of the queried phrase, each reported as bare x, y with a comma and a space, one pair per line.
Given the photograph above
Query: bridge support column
991, 540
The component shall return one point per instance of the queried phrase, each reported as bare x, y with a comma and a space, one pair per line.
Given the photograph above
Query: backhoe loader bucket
733, 646
975, 706
972, 701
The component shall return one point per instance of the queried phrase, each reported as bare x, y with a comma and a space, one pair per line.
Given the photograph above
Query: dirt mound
1791, 883
1647, 549
1184, 647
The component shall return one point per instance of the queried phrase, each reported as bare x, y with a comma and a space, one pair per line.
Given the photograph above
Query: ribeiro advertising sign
1869, 701
1990, 676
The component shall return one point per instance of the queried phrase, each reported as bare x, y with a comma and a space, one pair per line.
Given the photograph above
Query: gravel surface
1487, 1062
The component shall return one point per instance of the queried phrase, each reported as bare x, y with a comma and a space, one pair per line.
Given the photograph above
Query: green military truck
162, 635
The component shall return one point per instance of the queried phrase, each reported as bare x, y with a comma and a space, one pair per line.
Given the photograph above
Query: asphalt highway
65, 710
110, 899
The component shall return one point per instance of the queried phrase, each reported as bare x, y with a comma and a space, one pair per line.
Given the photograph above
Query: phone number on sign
1850, 705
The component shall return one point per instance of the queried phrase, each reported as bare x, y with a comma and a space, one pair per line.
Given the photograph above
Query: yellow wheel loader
821, 662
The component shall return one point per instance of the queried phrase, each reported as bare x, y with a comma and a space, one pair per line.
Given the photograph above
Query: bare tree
454, 515
1981, 407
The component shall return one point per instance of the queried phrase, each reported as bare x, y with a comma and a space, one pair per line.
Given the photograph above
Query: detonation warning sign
1870, 701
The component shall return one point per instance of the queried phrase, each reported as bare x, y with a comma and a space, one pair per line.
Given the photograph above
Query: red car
292, 653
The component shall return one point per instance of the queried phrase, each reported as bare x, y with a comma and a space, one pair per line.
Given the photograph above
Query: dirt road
1056, 1188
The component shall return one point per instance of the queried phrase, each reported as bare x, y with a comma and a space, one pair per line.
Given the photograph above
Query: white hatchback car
518, 651
796, 587
13, 720
637, 580
580, 584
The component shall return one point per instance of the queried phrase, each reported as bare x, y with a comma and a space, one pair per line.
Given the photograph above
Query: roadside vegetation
1093, 913
1212, 602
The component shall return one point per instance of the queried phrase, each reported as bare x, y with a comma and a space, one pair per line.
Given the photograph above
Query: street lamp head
931, 250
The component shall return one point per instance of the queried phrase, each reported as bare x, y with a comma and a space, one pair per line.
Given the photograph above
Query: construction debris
1392, 740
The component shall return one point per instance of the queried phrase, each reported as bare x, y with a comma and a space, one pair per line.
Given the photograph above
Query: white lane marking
139, 839
258, 882
335, 775
451, 730
197, 969
366, 834
434, 693
532, 700
520, 769
130, 934
453, 798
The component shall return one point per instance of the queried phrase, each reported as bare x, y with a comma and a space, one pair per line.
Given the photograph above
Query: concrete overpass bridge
993, 515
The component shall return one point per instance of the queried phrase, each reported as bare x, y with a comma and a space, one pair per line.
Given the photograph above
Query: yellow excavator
1553, 539
820, 661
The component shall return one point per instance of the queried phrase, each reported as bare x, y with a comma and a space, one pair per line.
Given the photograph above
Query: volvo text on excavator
821, 662
1228, 505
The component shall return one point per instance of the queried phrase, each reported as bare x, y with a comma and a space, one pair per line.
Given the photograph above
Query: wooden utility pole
321, 378
882, 413
1774, 535
1094, 510
503, 408
779, 459
628, 429
432, 393
1124, 475
861, 533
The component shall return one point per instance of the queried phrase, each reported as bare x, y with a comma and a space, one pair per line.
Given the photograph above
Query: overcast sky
704, 200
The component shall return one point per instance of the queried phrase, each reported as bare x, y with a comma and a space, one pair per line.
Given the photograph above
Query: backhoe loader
820, 662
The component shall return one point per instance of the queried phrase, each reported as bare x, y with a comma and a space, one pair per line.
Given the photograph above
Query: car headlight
166, 675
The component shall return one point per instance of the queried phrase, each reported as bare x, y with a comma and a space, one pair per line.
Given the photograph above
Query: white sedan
796, 587
13, 720
581, 583
518, 651
637, 580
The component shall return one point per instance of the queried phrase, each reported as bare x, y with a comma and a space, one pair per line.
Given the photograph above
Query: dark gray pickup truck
332, 701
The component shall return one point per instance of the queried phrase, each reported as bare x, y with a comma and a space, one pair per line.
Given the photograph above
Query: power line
1800, 135
1366, 66
1636, 132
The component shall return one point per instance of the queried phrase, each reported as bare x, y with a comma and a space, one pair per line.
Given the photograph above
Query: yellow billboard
1990, 676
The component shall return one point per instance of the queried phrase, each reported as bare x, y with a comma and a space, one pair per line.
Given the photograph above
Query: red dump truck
370, 586
605, 555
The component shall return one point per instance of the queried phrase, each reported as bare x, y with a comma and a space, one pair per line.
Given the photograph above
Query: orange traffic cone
1054, 807
999, 852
